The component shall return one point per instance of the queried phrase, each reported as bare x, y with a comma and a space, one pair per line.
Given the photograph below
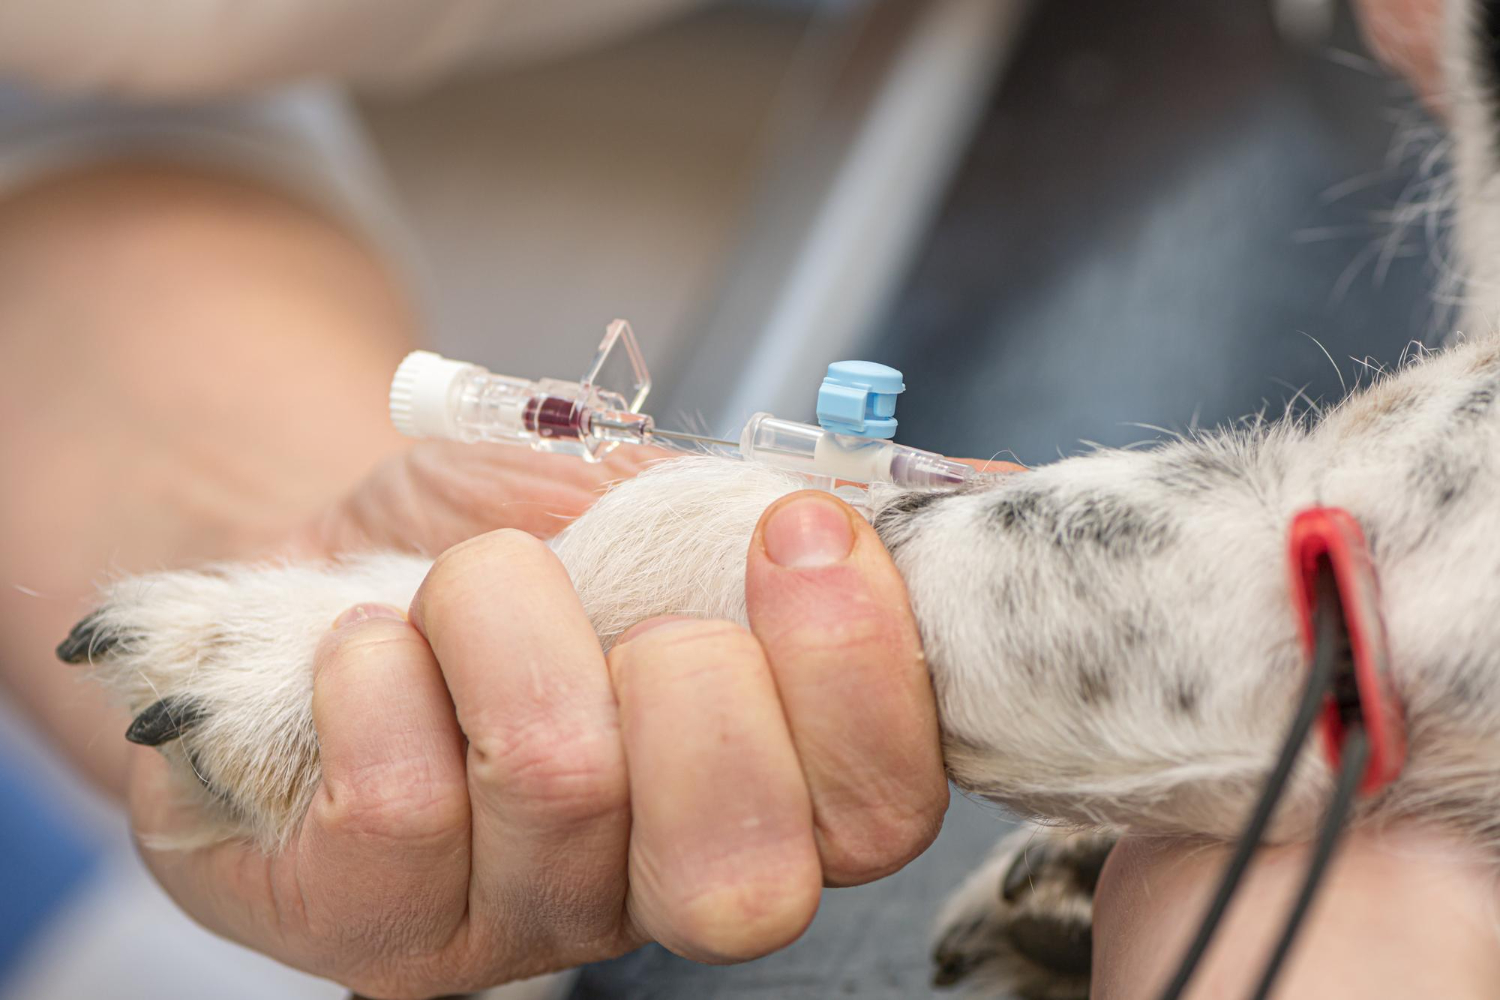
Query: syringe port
421, 399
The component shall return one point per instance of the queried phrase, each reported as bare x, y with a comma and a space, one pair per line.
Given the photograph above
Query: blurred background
1065, 221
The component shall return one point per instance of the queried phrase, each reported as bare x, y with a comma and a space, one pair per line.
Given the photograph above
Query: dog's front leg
1113, 642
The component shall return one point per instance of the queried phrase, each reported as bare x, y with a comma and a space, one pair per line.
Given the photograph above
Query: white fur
673, 540
1111, 637
238, 640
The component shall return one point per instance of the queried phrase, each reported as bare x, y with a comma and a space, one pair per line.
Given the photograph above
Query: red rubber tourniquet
1329, 540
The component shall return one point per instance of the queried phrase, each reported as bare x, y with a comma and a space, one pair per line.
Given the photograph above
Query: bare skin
152, 418
1405, 33
1405, 912
193, 369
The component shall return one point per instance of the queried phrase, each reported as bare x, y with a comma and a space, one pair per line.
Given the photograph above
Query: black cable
1326, 621
1356, 752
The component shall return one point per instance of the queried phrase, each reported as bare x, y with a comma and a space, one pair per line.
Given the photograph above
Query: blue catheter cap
859, 398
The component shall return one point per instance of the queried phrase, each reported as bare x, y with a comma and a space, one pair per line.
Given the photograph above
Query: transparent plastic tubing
813, 451
433, 396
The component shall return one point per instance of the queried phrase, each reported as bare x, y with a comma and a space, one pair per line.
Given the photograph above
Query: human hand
500, 799
435, 494
1406, 33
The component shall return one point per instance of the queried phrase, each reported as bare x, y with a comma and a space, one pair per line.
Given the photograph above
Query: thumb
831, 611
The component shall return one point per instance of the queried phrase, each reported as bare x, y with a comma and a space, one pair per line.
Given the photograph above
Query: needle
695, 438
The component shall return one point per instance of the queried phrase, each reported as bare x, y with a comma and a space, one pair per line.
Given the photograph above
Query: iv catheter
433, 396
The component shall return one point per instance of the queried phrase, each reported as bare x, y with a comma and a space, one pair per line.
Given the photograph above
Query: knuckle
565, 777
364, 644
708, 641
458, 561
455, 570
404, 801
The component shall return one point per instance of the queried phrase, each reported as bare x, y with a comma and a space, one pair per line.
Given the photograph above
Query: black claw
85, 641
950, 970
165, 720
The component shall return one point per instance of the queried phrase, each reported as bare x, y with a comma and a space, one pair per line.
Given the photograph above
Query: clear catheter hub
432, 396
814, 451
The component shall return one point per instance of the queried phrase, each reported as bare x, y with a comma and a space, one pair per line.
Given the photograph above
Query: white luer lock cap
421, 394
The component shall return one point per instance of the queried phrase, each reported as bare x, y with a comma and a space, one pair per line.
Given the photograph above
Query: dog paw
1022, 924
216, 666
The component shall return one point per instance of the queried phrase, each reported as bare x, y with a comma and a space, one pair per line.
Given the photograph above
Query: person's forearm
1405, 912
190, 366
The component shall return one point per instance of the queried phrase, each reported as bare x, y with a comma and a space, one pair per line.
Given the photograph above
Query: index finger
832, 614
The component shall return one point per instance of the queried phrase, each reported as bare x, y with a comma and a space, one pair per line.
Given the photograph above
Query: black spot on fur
1100, 521
1463, 693
1111, 525
1130, 631
1182, 698
1477, 404
1094, 685
1018, 510
1196, 469
1006, 597
1443, 476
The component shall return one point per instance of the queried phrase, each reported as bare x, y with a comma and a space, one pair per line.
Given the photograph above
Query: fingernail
650, 625
808, 532
364, 612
